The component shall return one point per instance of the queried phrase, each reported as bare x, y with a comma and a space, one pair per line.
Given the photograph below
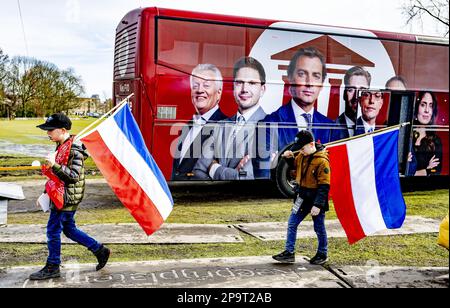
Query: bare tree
45, 96
20, 84
3, 63
39, 88
4, 107
70, 88
56, 90
434, 10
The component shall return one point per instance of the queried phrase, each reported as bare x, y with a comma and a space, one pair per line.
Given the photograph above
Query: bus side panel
181, 45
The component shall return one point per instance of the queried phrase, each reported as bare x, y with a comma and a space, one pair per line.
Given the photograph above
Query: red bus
185, 69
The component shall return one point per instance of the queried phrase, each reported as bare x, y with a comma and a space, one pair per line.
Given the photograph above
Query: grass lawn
431, 204
402, 250
26, 132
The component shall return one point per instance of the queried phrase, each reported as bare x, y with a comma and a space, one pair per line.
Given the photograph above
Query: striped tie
307, 117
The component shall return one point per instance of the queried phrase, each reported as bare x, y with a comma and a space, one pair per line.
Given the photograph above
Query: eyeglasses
367, 94
252, 83
354, 89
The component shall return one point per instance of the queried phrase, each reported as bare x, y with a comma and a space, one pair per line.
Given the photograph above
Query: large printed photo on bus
239, 95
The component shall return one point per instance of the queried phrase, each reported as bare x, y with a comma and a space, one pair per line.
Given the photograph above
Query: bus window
184, 44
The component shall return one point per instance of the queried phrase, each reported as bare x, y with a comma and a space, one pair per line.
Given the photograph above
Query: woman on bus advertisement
426, 149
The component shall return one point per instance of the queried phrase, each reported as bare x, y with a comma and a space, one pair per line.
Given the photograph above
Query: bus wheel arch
282, 175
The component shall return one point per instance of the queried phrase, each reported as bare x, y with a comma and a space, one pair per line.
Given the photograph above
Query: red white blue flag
120, 153
365, 184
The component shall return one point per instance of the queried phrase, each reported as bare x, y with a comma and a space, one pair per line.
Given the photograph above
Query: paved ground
130, 233
243, 272
276, 231
248, 272
99, 195
126, 233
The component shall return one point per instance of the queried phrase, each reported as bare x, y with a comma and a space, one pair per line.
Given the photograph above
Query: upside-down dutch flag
365, 184
119, 151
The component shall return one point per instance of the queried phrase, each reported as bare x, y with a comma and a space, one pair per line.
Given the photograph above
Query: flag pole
125, 100
363, 135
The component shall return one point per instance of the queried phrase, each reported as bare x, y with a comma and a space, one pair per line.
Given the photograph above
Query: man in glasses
371, 102
230, 151
355, 79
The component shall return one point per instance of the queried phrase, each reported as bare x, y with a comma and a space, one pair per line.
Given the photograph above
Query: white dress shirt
350, 125
198, 122
367, 127
301, 121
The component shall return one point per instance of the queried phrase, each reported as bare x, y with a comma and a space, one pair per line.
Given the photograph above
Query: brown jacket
313, 178
313, 170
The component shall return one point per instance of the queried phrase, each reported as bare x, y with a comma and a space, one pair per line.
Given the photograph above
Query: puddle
34, 150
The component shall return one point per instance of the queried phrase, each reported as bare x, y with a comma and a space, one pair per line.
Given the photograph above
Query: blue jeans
65, 222
319, 228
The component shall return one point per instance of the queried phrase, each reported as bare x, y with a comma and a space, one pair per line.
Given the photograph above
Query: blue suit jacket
278, 137
359, 130
180, 170
341, 129
285, 117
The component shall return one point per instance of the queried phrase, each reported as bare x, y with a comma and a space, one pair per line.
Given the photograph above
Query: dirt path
99, 194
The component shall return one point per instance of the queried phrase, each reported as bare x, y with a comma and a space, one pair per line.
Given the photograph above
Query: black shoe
102, 257
49, 271
285, 257
319, 259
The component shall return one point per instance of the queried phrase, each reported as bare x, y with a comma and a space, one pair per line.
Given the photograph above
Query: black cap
302, 138
57, 120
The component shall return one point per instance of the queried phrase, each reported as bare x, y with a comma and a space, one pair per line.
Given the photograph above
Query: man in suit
371, 103
232, 149
355, 79
206, 91
306, 73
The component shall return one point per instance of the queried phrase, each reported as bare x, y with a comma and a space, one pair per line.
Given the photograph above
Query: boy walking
313, 179
65, 189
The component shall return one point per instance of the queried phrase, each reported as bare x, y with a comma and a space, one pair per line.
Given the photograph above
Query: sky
79, 34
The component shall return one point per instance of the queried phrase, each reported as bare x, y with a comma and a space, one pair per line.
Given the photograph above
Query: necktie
370, 130
239, 124
232, 143
307, 117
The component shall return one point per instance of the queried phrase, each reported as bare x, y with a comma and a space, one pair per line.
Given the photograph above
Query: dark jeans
65, 222
319, 228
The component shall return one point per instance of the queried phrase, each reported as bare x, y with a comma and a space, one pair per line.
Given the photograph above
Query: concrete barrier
8, 191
